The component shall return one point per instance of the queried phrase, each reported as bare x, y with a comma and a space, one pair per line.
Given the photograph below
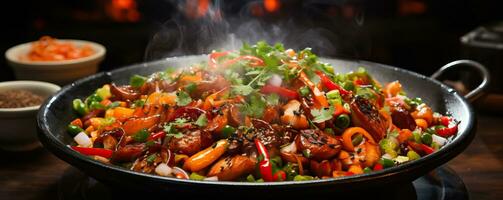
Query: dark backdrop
420, 35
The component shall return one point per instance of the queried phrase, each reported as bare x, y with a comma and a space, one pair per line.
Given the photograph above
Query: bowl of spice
19, 104
59, 61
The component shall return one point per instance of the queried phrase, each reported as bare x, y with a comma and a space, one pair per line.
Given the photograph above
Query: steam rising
185, 34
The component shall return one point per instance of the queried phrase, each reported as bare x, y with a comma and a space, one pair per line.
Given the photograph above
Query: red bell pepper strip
447, 131
450, 129
158, 135
213, 58
427, 149
421, 147
281, 91
265, 166
329, 84
444, 120
106, 153
255, 61
378, 166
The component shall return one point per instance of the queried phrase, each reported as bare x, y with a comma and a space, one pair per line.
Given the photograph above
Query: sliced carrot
404, 135
422, 123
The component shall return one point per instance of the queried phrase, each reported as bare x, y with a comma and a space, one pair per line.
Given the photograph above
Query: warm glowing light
271, 5
411, 7
123, 4
197, 8
123, 11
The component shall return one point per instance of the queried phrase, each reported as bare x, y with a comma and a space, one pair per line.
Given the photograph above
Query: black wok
56, 113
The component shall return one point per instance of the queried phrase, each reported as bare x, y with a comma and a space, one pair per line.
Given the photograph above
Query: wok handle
482, 71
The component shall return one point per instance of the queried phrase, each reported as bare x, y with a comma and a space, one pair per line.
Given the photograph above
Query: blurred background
420, 35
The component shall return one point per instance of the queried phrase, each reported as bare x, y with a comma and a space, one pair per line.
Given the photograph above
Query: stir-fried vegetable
260, 114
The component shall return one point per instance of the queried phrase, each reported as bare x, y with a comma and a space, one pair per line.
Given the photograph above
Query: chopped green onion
104, 92
80, 107
151, 158
334, 94
96, 105
227, 131
93, 98
196, 176
426, 138
74, 130
303, 178
386, 162
416, 134
342, 121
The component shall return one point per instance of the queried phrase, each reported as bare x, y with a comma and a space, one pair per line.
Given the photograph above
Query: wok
56, 113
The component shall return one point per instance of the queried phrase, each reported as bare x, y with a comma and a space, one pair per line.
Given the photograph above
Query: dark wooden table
35, 175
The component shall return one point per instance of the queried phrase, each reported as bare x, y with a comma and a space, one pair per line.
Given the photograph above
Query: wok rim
442, 156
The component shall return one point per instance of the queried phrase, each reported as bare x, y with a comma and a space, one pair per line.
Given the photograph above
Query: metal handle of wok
482, 71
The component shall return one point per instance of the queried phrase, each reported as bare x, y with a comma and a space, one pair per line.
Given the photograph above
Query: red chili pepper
450, 129
158, 135
255, 61
329, 84
213, 58
264, 165
107, 153
427, 149
421, 147
444, 120
280, 175
281, 91
378, 167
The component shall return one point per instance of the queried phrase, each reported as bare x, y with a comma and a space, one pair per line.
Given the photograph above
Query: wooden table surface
35, 175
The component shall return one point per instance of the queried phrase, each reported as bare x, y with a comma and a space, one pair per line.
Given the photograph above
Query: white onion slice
439, 140
212, 178
83, 140
163, 170
180, 172
275, 80
291, 148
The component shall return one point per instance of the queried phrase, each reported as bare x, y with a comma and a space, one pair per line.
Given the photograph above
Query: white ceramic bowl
59, 72
18, 130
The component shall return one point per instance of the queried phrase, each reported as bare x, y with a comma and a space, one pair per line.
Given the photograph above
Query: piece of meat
402, 118
365, 115
320, 145
124, 93
191, 142
231, 168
